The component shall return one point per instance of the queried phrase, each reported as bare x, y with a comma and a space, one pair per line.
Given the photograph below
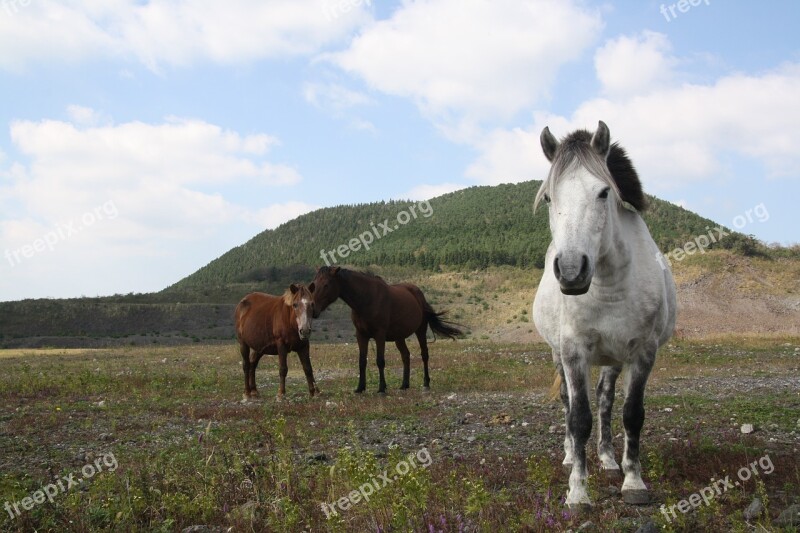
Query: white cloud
635, 65
675, 135
473, 59
85, 116
171, 32
165, 182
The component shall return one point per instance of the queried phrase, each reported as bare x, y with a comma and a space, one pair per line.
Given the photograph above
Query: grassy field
169, 444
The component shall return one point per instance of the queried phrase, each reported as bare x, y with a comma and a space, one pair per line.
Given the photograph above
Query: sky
141, 139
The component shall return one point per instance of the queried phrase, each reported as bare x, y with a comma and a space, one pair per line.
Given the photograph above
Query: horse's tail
445, 328
555, 388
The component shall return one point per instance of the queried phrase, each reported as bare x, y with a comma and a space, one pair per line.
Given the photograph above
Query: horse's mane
348, 272
288, 297
617, 169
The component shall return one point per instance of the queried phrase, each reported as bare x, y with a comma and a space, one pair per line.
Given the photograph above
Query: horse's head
326, 289
301, 298
589, 180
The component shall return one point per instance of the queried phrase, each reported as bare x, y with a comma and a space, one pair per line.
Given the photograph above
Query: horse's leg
568, 447
363, 348
245, 351
283, 369
255, 357
423, 348
634, 490
405, 354
305, 360
380, 350
605, 403
579, 419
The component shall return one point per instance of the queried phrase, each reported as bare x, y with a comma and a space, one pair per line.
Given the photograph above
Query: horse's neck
354, 290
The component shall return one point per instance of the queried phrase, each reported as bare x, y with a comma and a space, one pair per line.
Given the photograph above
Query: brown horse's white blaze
603, 300
275, 325
382, 312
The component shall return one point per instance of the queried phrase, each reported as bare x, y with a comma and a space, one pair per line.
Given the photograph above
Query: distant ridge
472, 228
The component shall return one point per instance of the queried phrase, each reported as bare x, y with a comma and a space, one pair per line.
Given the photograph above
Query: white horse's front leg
579, 423
568, 447
634, 491
605, 403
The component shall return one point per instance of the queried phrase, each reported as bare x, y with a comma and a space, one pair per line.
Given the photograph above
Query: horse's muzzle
573, 280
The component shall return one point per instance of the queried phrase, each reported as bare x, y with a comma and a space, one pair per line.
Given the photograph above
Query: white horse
604, 299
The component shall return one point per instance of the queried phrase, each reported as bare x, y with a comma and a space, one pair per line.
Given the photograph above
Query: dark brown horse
382, 312
275, 325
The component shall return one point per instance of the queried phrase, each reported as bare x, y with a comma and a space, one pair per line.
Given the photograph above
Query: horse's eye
294, 305
547, 198
604, 193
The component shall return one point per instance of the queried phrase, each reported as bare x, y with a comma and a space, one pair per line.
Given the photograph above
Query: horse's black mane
619, 166
347, 272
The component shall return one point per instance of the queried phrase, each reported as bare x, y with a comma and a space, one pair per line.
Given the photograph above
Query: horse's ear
549, 144
311, 287
335, 270
601, 140
294, 288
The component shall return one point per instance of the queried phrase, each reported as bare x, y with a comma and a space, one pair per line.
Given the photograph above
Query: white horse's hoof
636, 496
580, 508
578, 498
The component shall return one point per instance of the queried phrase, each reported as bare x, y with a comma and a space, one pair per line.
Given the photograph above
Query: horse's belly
606, 360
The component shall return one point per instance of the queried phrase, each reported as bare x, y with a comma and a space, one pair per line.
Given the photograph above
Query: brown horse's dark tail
445, 328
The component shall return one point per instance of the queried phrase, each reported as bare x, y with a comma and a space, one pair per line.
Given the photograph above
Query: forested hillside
471, 228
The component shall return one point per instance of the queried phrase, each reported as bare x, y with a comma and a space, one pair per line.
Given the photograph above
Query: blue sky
141, 139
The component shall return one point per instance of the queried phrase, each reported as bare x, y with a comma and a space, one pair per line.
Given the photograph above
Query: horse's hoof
636, 496
426, 388
580, 507
404, 387
280, 397
382, 392
359, 391
566, 468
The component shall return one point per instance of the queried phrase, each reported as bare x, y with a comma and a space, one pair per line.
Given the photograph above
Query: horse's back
254, 315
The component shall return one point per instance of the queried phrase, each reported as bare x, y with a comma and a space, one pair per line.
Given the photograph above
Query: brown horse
275, 325
382, 312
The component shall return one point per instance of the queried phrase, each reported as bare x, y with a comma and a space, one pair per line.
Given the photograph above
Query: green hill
463, 248
470, 229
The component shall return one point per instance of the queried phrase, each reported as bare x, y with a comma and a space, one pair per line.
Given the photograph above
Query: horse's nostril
556, 270
584, 266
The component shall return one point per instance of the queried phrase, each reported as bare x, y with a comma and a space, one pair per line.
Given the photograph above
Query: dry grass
190, 453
